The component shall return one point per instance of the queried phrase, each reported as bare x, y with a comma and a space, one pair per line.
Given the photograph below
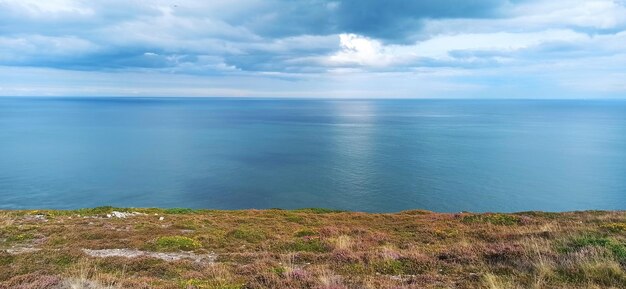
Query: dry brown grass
315, 249
5, 220
84, 274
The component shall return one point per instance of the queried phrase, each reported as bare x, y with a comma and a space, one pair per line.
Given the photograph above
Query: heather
310, 248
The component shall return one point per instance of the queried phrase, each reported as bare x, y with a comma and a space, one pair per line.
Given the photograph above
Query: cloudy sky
314, 48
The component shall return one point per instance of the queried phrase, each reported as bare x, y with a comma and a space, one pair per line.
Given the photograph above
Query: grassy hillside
311, 248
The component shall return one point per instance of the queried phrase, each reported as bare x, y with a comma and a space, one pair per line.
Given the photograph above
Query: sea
358, 154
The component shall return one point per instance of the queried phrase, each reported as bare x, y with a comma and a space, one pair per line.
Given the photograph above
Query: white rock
21, 250
120, 215
161, 218
131, 253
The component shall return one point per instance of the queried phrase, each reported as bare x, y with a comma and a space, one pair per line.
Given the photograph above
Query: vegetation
310, 248
496, 219
174, 243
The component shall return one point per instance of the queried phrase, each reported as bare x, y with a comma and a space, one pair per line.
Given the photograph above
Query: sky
313, 48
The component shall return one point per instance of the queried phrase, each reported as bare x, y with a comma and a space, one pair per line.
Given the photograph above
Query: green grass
176, 243
617, 248
390, 267
606, 274
64, 260
402, 266
186, 225
295, 219
20, 237
97, 211
354, 269
209, 284
180, 211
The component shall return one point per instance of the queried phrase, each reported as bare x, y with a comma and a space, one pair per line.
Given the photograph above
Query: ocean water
364, 155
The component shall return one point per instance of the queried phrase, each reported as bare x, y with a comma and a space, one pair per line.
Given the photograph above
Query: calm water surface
441, 155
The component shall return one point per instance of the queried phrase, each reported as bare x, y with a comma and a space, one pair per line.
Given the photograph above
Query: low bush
495, 219
313, 245
179, 211
305, 233
318, 210
175, 243
617, 248
246, 234
614, 227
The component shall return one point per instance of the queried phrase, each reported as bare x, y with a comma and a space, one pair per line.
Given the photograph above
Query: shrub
5, 259
496, 219
539, 214
295, 219
402, 266
33, 280
280, 271
614, 227
313, 245
416, 212
390, 267
177, 211
210, 284
64, 260
93, 211
186, 225
305, 233
354, 269
247, 235
174, 243
607, 274
617, 248
446, 233
318, 210
20, 237
584, 241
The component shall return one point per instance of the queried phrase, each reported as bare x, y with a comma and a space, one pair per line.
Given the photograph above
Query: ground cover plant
310, 248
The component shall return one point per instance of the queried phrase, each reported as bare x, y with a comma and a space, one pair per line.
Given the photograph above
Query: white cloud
363, 51
15, 49
360, 50
568, 43
37, 7
603, 14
